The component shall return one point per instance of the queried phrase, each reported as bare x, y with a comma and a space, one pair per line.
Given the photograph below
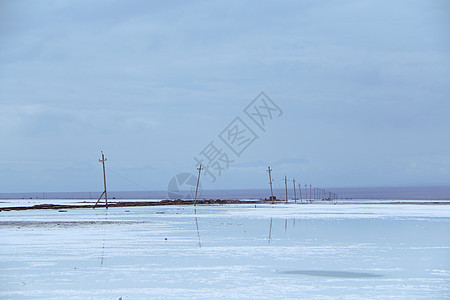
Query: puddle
336, 274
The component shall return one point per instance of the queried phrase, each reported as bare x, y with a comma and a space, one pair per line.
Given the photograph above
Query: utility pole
295, 195
270, 182
104, 182
300, 191
306, 192
285, 184
310, 195
198, 181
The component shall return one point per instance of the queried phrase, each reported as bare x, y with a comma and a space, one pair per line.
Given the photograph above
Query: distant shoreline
178, 202
134, 204
436, 193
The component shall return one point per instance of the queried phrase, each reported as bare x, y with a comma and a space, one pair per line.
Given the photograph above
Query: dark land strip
133, 204
201, 202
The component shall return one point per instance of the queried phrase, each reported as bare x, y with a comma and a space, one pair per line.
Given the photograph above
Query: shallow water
233, 251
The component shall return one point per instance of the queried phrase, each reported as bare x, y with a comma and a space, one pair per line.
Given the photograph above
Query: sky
355, 93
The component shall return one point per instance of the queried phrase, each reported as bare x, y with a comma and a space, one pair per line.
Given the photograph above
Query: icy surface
234, 251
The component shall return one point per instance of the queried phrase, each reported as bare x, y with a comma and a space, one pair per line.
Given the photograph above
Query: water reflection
196, 224
270, 230
286, 222
104, 238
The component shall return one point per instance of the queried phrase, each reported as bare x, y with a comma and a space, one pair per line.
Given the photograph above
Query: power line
128, 179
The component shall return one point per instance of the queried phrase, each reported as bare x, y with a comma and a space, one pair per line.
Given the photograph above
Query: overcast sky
362, 90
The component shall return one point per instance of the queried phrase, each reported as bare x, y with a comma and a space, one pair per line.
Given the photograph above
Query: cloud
40, 121
361, 84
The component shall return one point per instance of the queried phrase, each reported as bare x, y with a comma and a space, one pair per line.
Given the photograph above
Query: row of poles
315, 194
105, 194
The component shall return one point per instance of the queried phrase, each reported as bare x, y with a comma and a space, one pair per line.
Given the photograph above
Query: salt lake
289, 251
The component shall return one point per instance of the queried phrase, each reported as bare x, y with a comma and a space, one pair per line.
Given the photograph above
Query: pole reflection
196, 225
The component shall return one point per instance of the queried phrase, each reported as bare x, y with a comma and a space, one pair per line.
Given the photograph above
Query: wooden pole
104, 179
104, 182
310, 195
295, 195
198, 181
285, 184
270, 182
300, 191
306, 192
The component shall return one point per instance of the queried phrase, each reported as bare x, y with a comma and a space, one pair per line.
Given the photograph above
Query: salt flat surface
325, 251
5, 203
